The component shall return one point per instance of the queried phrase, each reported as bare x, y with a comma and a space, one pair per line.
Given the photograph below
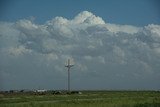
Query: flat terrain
86, 99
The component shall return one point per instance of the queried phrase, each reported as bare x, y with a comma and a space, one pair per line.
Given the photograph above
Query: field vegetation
86, 99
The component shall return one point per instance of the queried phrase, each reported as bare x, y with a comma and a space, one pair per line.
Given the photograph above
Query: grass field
86, 99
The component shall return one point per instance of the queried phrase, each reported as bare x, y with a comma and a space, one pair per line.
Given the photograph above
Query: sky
114, 44
137, 12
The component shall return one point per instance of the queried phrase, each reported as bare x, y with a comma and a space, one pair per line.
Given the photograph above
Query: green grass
86, 99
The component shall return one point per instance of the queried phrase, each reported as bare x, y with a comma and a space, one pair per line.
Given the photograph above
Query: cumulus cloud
86, 17
105, 54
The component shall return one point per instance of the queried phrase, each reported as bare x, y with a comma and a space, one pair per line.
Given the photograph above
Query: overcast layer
105, 55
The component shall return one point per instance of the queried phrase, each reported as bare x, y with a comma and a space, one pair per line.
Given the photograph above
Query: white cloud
100, 50
86, 17
122, 28
153, 29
